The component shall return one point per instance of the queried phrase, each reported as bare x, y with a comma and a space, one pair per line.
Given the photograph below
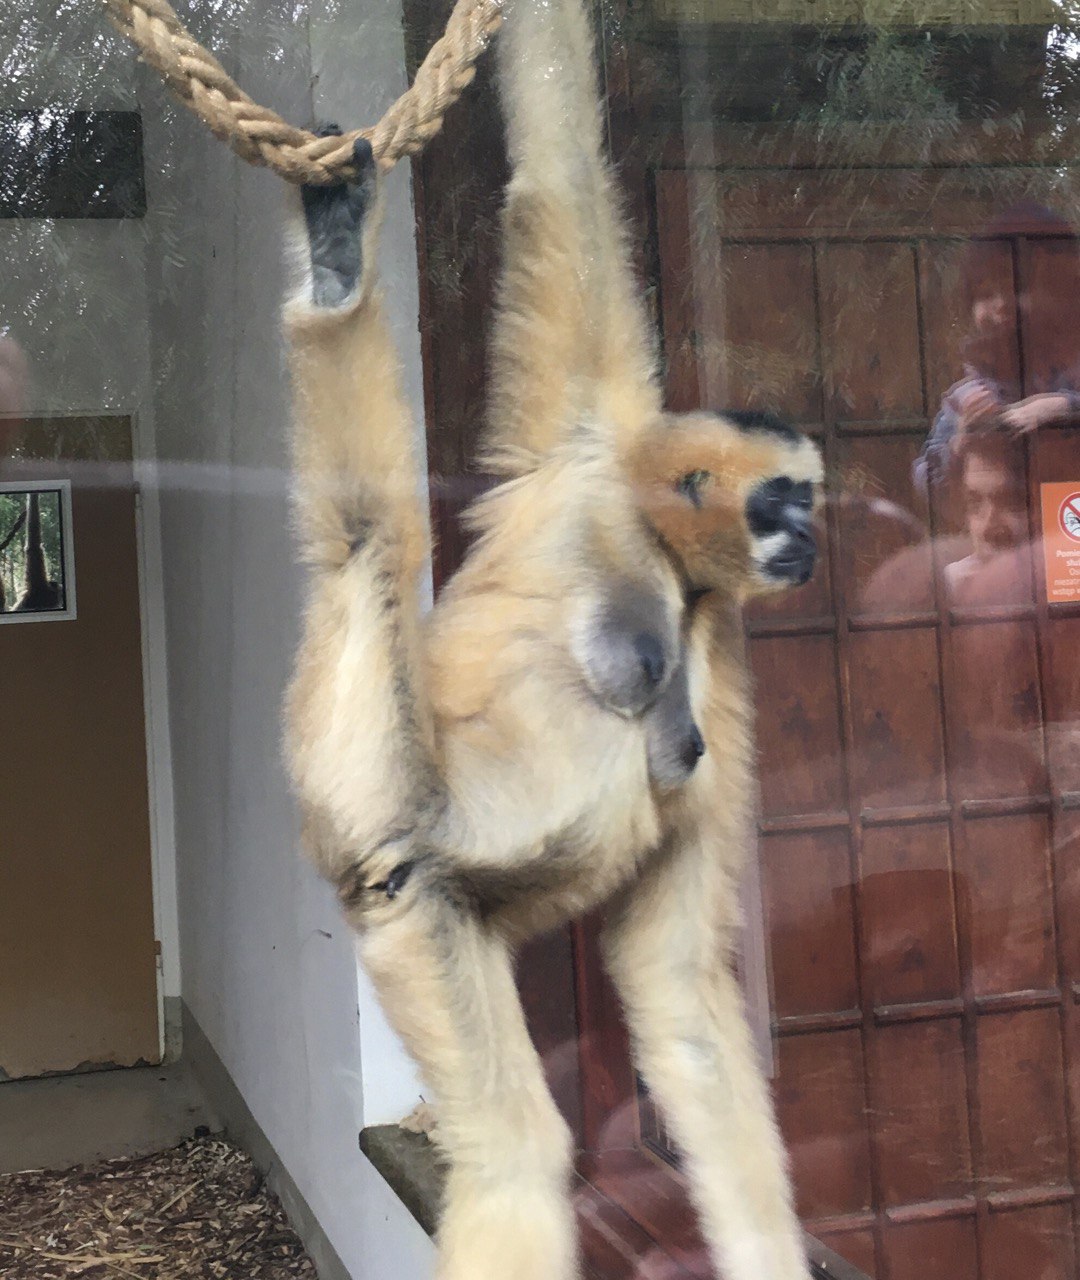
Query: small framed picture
37, 552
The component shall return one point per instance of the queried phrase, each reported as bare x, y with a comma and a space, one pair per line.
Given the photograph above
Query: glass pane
853, 222
35, 553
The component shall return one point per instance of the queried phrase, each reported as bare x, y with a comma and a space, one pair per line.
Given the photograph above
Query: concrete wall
178, 324
268, 968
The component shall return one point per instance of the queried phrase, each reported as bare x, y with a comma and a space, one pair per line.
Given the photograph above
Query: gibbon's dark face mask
780, 517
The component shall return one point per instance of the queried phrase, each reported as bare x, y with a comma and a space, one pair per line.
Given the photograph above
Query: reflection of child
978, 405
985, 400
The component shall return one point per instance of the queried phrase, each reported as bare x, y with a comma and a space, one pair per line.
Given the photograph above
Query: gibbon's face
734, 497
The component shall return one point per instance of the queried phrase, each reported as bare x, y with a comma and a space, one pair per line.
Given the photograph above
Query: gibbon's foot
335, 218
423, 1118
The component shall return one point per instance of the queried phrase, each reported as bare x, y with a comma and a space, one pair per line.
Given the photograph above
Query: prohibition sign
1069, 517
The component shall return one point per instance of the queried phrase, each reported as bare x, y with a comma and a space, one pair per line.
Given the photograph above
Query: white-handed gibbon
570, 725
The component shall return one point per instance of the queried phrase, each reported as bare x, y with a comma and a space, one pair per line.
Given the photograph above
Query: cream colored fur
474, 749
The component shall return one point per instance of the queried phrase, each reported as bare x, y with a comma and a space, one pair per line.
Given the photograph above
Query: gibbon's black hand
335, 222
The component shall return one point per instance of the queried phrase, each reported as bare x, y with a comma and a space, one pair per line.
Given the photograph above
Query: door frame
156, 720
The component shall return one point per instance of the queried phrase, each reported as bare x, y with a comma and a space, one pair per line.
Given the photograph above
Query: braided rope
260, 136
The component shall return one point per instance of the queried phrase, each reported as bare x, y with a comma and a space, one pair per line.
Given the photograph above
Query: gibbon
570, 725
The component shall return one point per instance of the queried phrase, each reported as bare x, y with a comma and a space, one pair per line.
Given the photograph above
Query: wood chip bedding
199, 1211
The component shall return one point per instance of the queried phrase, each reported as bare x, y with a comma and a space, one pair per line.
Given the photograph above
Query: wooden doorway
77, 947
917, 723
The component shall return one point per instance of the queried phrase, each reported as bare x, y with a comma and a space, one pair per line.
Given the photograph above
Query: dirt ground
199, 1211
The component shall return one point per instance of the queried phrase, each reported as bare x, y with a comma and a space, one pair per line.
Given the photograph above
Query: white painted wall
180, 327
268, 967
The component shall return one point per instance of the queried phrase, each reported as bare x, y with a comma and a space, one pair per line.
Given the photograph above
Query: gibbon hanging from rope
571, 724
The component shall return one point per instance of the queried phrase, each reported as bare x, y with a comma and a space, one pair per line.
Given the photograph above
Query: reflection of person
987, 399
987, 473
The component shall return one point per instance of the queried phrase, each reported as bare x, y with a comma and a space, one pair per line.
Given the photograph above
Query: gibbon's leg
572, 341
357, 730
446, 982
667, 946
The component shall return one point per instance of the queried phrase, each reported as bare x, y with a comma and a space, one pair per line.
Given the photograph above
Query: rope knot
260, 136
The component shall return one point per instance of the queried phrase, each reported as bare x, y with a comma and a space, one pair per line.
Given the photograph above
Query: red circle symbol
1069, 517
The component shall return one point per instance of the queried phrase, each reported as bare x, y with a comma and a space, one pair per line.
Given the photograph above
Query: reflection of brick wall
918, 801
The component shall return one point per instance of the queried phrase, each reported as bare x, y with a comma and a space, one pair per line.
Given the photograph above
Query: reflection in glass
35, 564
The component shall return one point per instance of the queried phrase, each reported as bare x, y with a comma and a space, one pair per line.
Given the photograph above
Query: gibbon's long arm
356, 714
572, 341
386, 776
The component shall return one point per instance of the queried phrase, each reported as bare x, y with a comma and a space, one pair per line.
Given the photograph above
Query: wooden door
917, 723
77, 949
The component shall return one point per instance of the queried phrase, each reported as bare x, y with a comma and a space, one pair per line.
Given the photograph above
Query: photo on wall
37, 563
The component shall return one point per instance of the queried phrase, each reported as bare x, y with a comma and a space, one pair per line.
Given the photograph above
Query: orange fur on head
710, 537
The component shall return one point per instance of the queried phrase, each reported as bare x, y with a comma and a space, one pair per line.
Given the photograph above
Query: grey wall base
227, 1102
174, 1028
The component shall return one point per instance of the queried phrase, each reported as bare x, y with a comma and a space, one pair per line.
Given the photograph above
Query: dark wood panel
1006, 877
798, 729
71, 164
861, 203
739, 321
899, 754
459, 184
921, 1127
809, 905
821, 1104
1021, 1100
711, 78
942, 1250
886, 558
770, 344
691, 316
953, 275
1066, 852
1036, 1243
999, 742
1062, 693
871, 352
909, 949
1050, 312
